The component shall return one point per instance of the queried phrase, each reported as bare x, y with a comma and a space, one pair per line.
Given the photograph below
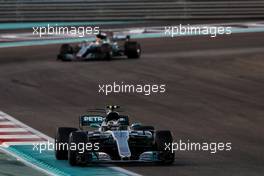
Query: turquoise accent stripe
5, 26
46, 160
134, 36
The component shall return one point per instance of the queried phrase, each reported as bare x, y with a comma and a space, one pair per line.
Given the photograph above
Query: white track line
13, 130
7, 144
6, 123
19, 137
124, 171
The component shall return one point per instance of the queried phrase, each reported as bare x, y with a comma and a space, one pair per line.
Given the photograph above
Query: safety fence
91, 10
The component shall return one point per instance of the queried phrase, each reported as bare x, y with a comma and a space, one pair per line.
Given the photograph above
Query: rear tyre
65, 50
61, 140
77, 157
132, 49
161, 138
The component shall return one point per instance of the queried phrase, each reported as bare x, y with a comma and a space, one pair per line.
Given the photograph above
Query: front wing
146, 157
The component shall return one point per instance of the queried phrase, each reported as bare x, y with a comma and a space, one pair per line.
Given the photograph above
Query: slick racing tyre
65, 50
61, 140
76, 157
161, 138
132, 49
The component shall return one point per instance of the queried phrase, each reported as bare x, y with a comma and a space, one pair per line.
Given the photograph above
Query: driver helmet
101, 36
112, 116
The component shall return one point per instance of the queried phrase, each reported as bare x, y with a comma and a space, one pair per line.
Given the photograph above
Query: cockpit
113, 121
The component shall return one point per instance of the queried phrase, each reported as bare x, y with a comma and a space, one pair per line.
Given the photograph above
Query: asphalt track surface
214, 93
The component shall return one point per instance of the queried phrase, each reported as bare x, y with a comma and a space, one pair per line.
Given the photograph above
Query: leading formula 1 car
117, 140
103, 48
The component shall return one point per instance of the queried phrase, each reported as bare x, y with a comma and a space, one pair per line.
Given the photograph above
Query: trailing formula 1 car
114, 140
102, 48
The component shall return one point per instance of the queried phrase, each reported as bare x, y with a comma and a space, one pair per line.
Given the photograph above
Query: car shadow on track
176, 163
102, 60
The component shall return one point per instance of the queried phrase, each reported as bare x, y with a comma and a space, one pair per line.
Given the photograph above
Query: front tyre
161, 138
78, 156
132, 49
65, 51
61, 142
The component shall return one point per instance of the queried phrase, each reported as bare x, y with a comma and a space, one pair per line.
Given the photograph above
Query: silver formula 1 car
103, 48
114, 140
